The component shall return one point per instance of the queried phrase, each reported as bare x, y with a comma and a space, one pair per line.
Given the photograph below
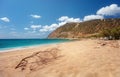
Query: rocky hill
84, 29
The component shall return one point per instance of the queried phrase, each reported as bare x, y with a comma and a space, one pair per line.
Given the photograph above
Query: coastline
32, 46
27, 47
84, 58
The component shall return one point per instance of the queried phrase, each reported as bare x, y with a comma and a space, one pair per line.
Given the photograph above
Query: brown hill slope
84, 29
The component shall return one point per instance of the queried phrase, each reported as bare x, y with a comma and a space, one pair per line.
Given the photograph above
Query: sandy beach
84, 58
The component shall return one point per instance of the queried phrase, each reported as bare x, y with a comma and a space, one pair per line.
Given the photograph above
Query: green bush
113, 33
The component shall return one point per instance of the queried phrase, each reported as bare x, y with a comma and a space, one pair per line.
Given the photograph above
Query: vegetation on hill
109, 28
112, 33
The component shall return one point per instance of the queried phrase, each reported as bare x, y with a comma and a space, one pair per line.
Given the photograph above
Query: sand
84, 58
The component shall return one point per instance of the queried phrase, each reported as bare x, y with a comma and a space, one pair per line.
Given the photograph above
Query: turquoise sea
6, 44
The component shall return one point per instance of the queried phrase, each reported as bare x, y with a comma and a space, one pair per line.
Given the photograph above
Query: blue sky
37, 18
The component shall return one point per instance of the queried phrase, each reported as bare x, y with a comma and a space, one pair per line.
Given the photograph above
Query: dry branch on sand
38, 60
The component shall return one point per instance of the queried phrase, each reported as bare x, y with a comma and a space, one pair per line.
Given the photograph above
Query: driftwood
38, 59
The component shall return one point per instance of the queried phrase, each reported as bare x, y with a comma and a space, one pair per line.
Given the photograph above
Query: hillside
84, 29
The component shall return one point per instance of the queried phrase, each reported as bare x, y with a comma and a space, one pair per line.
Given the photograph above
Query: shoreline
31, 46
25, 47
44, 45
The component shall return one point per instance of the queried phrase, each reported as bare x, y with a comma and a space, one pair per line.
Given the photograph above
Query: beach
83, 58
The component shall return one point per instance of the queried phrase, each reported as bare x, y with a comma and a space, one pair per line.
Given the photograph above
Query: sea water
6, 44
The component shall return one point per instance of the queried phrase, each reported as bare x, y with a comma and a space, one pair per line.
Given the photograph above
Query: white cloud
113, 9
92, 17
35, 16
43, 30
26, 28
67, 19
5, 19
62, 20
34, 27
49, 28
